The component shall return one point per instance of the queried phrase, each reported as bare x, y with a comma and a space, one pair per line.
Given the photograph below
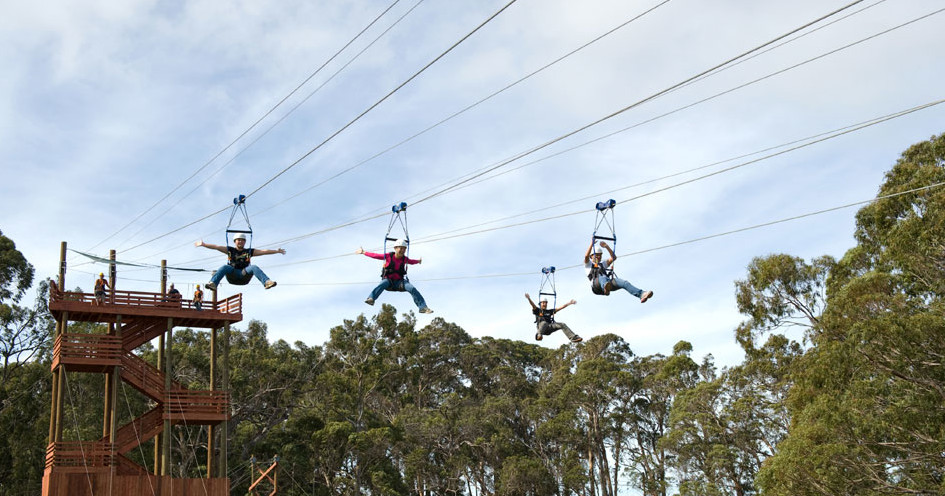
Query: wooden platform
96, 484
101, 467
82, 307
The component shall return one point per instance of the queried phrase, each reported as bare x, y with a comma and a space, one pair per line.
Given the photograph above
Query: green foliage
841, 392
868, 400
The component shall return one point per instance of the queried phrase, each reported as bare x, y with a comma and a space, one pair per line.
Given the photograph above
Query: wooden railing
144, 376
191, 406
139, 430
80, 456
142, 331
231, 305
87, 349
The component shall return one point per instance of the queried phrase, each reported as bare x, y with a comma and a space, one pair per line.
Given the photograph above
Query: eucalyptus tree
868, 400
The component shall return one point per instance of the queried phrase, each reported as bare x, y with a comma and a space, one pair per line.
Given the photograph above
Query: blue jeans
229, 269
619, 283
400, 285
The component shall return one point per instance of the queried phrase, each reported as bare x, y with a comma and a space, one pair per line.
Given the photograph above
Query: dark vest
389, 268
547, 315
598, 270
239, 259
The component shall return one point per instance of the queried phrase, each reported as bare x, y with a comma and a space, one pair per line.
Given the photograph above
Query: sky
125, 125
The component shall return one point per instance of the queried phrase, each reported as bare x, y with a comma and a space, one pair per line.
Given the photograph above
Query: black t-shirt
546, 315
239, 258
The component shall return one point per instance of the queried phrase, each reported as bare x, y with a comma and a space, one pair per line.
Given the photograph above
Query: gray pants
545, 329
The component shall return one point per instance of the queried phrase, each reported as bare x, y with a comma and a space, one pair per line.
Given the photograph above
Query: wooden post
54, 406
159, 438
61, 379
168, 366
252, 471
225, 434
211, 466
109, 396
116, 373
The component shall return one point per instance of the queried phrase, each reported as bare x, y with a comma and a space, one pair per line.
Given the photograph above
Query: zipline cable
385, 97
470, 106
336, 133
770, 75
815, 139
798, 144
250, 128
287, 114
705, 176
638, 103
658, 248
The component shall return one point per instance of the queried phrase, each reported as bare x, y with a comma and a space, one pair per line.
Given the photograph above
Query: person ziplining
394, 272
601, 272
544, 316
239, 269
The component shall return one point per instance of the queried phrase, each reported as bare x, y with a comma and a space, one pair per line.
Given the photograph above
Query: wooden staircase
138, 318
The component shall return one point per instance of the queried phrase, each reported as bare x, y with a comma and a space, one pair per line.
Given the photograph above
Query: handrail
80, 455
102, 349
230, 305
144, 376
182, 404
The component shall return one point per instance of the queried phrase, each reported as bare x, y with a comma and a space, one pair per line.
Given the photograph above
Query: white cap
239, 236
400, 242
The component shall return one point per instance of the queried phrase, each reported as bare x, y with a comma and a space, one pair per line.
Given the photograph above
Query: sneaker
538, 336
426, 310
646, 296
270, 284
369, 301
577, 339
211, 286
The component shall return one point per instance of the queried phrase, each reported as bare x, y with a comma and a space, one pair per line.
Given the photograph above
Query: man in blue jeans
238, 264
394, 274
603, 280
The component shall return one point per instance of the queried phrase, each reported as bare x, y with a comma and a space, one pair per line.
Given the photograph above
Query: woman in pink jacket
394, 274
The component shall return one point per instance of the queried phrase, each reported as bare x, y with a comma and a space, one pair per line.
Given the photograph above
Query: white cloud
106, 107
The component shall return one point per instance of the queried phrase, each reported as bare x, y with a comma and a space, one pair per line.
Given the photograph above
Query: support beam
211, 445
54, 405
224, 435
159, 439
168, 367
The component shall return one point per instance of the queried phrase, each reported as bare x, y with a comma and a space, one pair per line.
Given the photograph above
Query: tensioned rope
651, 119
656, 248
628, 254
783, 70
385, 97
286, 115
137, 436
655, 95
470, 106
483, 171
250, 128
350, 123
78, 433
806, 142
799, 143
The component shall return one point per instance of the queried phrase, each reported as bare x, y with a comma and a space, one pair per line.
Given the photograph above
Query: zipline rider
238, 264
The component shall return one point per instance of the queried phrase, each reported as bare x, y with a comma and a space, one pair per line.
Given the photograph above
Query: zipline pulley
547, 287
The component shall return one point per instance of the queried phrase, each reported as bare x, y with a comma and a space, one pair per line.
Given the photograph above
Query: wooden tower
99, 466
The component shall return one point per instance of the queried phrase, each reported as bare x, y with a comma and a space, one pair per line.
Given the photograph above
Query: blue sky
108, 106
